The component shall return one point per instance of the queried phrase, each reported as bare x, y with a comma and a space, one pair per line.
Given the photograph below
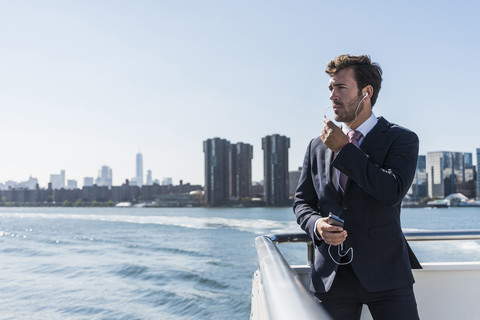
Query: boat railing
281, 294
277, 291
421, 235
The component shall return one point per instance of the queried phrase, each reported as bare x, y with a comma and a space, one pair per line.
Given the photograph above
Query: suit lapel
373, 135
328, 164
330, 171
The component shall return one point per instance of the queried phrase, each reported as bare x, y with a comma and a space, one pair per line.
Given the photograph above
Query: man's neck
363, 127
359, 121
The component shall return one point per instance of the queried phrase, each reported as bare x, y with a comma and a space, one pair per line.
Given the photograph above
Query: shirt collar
365, 127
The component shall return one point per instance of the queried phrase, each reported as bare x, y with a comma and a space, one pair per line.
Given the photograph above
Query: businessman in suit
359, 172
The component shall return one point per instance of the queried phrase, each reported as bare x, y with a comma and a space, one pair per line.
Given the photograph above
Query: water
139, 263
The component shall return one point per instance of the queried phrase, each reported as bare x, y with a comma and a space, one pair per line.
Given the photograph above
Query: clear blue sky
90, 83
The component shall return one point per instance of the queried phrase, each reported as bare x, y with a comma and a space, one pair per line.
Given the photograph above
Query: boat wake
257, 226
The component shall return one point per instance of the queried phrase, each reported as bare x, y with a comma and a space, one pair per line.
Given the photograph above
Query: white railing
278, 293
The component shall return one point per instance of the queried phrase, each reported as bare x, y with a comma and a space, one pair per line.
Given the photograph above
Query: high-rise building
450, 172
240, 170
419, 187
293, 178
104, 178
216, 152
149, 178
58, 180
139, 175
478, 173
275, 169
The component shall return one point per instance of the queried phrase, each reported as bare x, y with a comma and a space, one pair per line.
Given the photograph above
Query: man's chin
338, 118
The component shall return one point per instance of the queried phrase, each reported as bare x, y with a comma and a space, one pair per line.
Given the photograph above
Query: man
362, 180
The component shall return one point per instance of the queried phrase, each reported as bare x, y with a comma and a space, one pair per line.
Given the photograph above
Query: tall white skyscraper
139, 176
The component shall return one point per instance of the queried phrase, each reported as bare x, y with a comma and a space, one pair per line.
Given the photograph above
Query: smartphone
334, 220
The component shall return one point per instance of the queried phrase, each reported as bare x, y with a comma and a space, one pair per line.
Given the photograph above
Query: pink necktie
353, 136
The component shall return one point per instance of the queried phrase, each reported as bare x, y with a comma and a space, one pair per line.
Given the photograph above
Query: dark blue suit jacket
380, 173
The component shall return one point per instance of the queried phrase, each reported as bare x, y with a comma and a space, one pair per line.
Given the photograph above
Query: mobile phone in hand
334, 220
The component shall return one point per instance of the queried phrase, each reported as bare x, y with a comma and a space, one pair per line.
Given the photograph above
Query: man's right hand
331, 234
333, 136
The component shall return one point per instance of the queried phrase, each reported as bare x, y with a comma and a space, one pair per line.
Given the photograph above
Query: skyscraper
275, 169
216, 152
139, 175
293, 178
418, 189
240, 170
149, 178
58, 180
478, 173
105, 177
449, 172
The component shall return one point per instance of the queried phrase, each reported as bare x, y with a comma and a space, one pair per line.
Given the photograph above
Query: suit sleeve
305, 205
388, 181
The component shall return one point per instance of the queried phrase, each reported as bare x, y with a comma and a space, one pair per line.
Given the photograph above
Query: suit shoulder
399, 130
316, 143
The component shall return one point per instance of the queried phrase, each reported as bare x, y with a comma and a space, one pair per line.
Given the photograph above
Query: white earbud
366, 95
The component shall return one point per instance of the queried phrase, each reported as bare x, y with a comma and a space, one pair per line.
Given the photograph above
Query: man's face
345, 96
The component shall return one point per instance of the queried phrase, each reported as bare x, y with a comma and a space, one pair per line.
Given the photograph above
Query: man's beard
351, 113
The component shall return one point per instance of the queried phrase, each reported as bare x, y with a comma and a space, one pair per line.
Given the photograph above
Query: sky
90, 83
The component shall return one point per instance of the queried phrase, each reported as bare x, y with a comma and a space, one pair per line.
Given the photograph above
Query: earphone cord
356, 111
340, 248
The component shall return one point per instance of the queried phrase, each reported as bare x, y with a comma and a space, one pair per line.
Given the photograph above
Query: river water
160, 263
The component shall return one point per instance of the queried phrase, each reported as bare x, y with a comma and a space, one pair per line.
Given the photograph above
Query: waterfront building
419, 187
478, 173
293, 178
139, 170
240, 170
58, 180
275, 169
149, 178
450, 172
216, 152
257, 190
105, 177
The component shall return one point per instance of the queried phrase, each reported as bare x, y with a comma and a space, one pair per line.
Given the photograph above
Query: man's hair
365, 72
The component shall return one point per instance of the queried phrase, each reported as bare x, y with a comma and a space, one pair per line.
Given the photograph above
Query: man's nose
333, 95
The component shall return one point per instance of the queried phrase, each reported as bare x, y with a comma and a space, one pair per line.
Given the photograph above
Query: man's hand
333, 136
331, 234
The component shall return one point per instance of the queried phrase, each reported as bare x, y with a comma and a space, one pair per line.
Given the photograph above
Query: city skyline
86, 84
168, 179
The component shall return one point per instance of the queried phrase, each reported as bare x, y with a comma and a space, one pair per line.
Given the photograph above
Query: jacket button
345, 207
